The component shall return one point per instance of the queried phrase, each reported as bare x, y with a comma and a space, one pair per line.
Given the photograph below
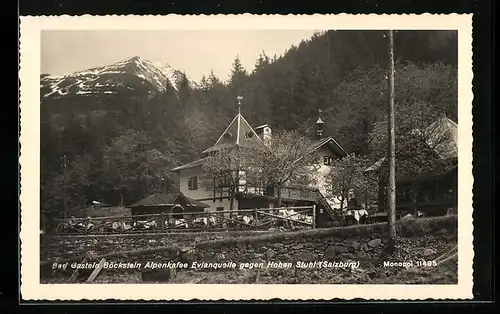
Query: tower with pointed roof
319, 126
238, 133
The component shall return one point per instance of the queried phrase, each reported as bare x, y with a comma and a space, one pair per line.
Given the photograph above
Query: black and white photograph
313, 156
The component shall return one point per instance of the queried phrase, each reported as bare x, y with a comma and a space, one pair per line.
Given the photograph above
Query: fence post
208, 221
256, 219
314, 217
122, 220
162, 220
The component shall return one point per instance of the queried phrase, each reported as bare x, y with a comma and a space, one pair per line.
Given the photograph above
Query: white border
31, 289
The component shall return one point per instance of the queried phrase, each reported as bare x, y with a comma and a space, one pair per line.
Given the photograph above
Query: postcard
239, 157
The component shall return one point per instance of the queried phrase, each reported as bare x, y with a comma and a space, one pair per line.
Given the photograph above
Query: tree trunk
342, 198
278, 205
414, 198
231, 201
121, 198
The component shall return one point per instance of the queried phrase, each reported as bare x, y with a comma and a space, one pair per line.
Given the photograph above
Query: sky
195, 52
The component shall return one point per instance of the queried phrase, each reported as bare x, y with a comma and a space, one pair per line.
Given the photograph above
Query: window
327, 160
427, 192
225, 179
249, 134
449, 193
404, 194
193, 183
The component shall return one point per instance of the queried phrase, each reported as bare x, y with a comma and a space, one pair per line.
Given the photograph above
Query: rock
361, 255
330, 253
375, 243
305, 257
94, 241
428, 252
258, 260
340, 249
152, 241
270, 254
220, 256
298, 246
350, 256
372, 274
355, 245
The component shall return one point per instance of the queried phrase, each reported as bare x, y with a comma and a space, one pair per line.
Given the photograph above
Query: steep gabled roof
447, 148
238, 133
260, 126
448, 130
330, 142
375, 166
192, 164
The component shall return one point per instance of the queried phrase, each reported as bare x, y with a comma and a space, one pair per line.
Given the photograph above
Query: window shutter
195, 183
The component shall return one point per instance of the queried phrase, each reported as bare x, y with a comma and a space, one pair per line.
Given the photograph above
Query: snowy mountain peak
126, 74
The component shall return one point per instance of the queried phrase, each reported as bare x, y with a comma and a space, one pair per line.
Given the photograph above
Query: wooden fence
303, 217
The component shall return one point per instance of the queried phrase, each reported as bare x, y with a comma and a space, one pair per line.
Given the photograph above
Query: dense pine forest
120, 148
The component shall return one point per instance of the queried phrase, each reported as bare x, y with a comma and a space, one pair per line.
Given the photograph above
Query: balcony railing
286, 192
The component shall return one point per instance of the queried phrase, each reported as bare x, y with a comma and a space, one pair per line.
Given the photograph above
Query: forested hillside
121, 146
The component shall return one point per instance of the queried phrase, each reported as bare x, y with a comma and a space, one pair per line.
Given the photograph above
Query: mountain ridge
126, 75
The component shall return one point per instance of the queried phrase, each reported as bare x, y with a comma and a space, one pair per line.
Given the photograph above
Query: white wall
220, 203
202, 194
321, 177
266, 134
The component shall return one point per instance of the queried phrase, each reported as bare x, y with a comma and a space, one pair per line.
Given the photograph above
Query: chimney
319, 125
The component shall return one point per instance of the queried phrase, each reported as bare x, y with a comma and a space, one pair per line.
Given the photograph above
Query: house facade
240, 133
435, 193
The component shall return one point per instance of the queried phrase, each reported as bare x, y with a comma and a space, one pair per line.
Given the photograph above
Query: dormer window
327, 160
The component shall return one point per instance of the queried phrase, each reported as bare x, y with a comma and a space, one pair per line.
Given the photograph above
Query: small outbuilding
167, 203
